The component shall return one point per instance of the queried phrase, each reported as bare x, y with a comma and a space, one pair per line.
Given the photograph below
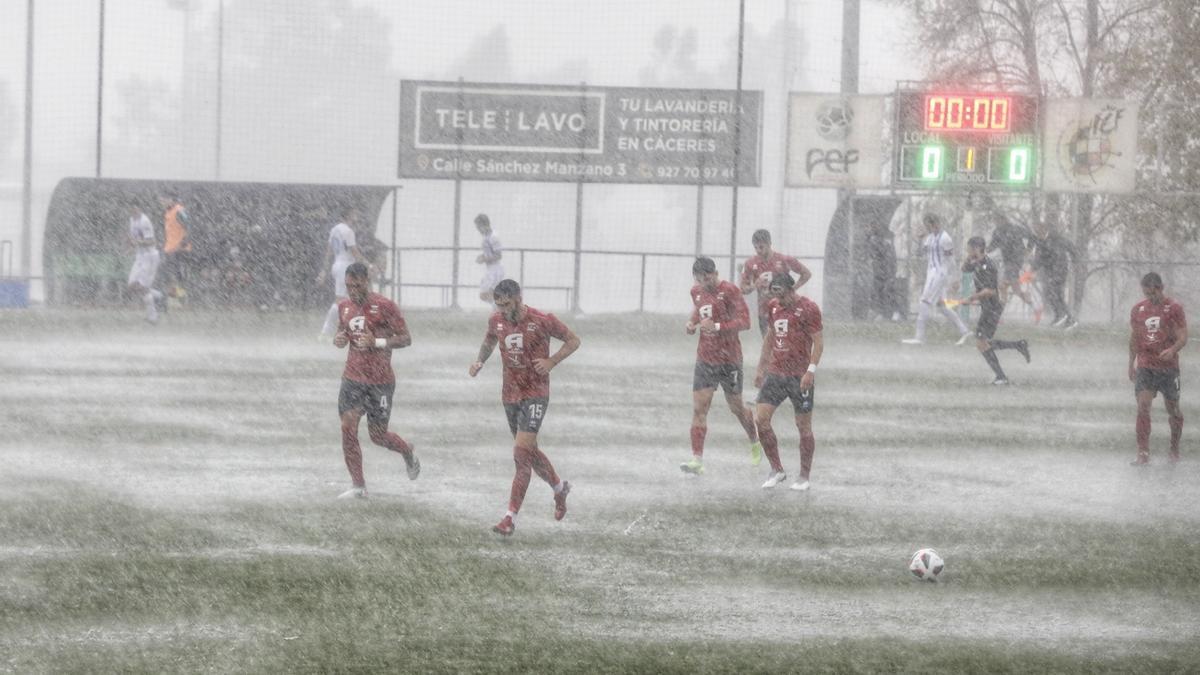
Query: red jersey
790, 332
1155, 328
761, 270
382, 317
726, 307
521, 343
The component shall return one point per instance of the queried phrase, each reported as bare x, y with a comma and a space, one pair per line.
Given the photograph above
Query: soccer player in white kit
939, 250
340, 253
145, 262
493, 272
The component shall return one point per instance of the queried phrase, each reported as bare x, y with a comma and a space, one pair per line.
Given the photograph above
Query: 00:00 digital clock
967, 113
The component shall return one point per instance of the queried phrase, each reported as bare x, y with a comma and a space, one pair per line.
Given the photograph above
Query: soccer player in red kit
720, 314
371, 325
762, 266
523, 334
1158, 332
787, 369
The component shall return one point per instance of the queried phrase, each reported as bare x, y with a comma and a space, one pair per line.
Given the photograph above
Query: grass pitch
167, 505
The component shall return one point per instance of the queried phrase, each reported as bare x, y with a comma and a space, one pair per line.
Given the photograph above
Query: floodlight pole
27, 166
100, 95
737, 140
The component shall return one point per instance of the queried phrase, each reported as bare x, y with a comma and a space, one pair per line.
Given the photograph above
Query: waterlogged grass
173, 512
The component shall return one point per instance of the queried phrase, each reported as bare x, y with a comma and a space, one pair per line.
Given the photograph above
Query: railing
449, 296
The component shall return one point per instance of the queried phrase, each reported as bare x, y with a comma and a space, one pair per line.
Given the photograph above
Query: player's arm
485, 350
764, 354
818, 347
1181, 336
1132, 348
744, 280
326, 261
571, 342
741, 315
800, 269
400, 337
693, 321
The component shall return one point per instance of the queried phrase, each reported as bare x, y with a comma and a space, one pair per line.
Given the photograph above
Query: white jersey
939, 249
341, 240
492, 249
141, 231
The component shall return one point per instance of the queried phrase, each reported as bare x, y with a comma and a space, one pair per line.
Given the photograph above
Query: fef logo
358, 323
705, 311
514, 342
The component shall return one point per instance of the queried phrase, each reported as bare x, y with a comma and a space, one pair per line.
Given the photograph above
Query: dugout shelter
254, 244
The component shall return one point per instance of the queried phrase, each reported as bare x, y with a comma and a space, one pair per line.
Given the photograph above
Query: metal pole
737, 139
395, 251
27, 167
699, 220
220, 83
100, 95
578, 244
642, 288
456, 244
850, 23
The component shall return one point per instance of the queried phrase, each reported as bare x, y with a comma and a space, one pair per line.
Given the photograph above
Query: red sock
520, 484
698, 434
1176, 433
1143, 433
353, 455
392, 442
542, 467
770, 445
808, 445
747, 420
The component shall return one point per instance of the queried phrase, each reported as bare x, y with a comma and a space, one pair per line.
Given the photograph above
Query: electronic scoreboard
948, 139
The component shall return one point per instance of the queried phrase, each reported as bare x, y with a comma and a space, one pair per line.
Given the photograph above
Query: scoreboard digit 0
948, 140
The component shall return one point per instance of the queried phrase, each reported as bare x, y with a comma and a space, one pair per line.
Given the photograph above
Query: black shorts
373, 399
527, 415
709, 375
777, 388
989, 319
1154, 379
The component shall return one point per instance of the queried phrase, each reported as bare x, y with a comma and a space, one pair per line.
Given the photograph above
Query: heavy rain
550, 336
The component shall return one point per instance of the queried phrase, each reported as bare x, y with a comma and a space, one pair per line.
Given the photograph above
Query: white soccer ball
926, 564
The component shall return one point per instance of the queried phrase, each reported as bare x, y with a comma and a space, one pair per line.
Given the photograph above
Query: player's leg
953, 317
379, 413
932, 293
352, 454
1174, 413
744, 415
1144, 391
534, 413
770, 395
701, 402
802, 401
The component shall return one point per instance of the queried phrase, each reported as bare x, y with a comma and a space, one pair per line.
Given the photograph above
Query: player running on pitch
523, 334
1158, 332
939, 252
371, 326
787, 368
720, 314
764, 264
987, 296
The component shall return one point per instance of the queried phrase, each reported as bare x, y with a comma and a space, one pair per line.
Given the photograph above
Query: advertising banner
1090, 145
835, 141
475, 131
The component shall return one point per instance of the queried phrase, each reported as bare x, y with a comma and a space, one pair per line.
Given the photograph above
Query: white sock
511, 515
558, 487
151, 310
331, 318
922, 317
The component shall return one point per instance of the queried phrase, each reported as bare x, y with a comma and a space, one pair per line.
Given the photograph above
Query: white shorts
493, 275
935, 289
145, 267
339, 279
